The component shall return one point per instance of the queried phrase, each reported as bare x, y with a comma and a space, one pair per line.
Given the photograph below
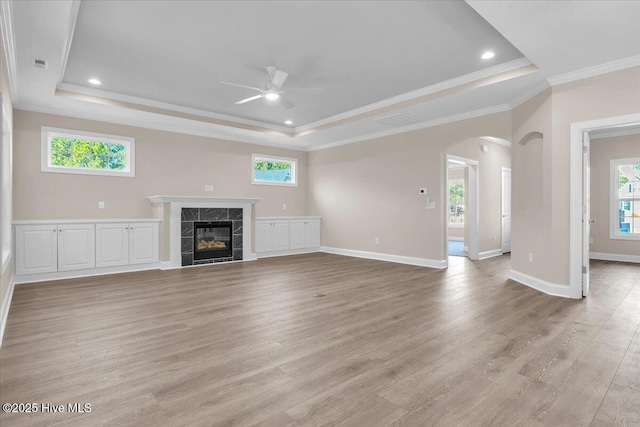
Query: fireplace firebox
212, 240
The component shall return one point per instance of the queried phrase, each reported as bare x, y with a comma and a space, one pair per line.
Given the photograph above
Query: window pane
625, 180
80, 153
272, 171
61, 158
456, 202
59, 145
629, 217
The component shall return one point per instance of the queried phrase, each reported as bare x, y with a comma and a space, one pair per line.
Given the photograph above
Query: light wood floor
388, 344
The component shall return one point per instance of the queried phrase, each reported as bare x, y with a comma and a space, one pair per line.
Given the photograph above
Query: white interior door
506, 210
586, 211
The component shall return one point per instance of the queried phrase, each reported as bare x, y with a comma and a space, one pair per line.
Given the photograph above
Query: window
274, 170
625, 199
456, 203
71, 151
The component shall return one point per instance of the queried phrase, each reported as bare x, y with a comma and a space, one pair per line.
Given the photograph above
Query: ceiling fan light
272, 96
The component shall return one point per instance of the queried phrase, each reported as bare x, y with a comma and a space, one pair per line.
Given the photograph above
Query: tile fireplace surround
173, 209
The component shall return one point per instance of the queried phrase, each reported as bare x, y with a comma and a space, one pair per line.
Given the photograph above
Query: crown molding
127, 101
499, 141
595, 70
8, 41
157, 123
527, 95
447, 84
422, 125
71, 27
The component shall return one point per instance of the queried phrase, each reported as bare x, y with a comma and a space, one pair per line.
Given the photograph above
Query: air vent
397, 120
40, 63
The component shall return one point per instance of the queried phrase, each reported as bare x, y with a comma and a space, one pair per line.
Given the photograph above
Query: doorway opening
462, 211
580, 217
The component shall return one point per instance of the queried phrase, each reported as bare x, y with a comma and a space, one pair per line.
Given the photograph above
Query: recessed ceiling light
94, 81
272, 96
288, 122
488, 55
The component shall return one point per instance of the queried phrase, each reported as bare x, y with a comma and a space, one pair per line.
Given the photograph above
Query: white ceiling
421, 59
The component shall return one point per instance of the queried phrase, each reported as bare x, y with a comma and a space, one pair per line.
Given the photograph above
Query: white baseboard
165, 265
4, 310
541, 285
422, 262
288, 252
59, 275
456, 239
614, 257
490, 254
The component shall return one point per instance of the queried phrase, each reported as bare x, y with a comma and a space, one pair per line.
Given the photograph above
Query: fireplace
212, 240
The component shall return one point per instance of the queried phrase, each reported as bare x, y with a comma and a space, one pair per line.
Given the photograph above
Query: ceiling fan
273, 89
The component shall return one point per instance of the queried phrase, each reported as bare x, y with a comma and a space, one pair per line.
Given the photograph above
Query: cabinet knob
54, 230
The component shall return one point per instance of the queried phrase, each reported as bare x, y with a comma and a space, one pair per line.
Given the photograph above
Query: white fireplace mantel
174, 214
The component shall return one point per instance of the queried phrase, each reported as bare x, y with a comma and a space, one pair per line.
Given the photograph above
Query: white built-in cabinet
52, 248
76, 246
272, 235
287, 234
126, 243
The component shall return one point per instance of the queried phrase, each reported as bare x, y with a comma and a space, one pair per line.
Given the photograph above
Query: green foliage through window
266, 170
81, 153
456, 202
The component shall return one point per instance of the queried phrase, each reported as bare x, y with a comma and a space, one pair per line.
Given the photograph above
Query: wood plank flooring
249, 344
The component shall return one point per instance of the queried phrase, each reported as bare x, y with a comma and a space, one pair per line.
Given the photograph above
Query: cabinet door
313, 233
143, 246
297, 231
280, 235
112, 244
76, 246
264, 236
36, 249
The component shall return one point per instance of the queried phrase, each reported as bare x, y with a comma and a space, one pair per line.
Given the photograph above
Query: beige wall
5, 276
531, 183
370, 189
608, 95
540, 175
602, 152
166, 163
490, 166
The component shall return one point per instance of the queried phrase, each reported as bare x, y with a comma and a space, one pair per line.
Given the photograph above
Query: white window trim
614, 232
45, 152
294, 166
452, 181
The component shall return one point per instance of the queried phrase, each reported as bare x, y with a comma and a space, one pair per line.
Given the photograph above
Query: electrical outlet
208, 188
284, 206
591, 240
530, 256
495, 238
100, 205
377, 240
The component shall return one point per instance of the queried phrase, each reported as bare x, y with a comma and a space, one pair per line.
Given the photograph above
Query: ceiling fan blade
286, 103
250, 99
278, 78
306, 90
244, 86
